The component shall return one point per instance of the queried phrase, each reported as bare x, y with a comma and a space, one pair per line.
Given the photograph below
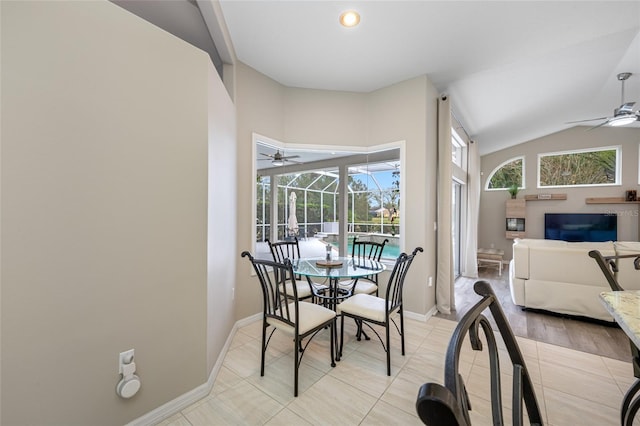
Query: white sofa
559, 276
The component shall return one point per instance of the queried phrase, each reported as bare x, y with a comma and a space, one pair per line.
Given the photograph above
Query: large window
372, 199
507, 174
587, 167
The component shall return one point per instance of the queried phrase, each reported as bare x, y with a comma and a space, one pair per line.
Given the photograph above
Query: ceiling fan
621, 116
278, 159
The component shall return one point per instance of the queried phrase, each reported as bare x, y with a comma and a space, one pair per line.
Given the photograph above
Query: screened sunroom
302, 198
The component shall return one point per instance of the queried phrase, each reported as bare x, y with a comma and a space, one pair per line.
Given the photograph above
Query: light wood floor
582, 335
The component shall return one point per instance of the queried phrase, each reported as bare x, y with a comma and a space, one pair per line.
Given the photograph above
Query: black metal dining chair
368, 309
449, 405
361, 252
290, 249
284, 311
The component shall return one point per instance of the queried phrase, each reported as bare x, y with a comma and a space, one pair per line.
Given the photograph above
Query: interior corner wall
104, 212
259, 108
402, 112
491, 229
222, 249
408, 111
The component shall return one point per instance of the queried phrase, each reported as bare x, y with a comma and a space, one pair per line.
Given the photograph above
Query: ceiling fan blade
590, 119
288, 157
267, 155
599, 125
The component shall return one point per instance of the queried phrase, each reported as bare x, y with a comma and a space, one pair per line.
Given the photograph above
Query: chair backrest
396, 279
610, 266
276, 295
367, 249
450, 404
282, 250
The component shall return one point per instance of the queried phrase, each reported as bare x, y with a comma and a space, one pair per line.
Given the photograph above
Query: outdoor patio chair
449, 405
362, 251
368, 309
290, 249
285, 312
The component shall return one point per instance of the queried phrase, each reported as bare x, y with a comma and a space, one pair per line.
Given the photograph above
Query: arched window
507, 174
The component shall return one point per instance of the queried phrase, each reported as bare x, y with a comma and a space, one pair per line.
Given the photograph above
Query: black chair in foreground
449, 405
285, 312
368, 309
290, 249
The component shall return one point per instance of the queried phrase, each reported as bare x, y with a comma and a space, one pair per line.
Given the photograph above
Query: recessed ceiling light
350, 18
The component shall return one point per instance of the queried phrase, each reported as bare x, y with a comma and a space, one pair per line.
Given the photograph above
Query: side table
493, 257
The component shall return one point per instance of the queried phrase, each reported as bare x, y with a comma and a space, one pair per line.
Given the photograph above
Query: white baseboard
183, 401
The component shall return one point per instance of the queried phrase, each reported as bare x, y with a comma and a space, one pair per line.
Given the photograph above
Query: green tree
507, 175
578, 168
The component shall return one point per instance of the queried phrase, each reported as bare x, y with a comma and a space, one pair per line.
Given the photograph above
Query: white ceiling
515, 70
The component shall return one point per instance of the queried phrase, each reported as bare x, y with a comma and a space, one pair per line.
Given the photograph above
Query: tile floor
573, 388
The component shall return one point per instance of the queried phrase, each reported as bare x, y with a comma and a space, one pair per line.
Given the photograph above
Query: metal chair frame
449, 405
367, 250
281, 309
290, 249
393, 303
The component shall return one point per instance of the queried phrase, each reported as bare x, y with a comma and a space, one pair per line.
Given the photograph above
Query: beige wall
105, 133
324, 117
222, 223
492, 203
408, 111
259, 108
403, 112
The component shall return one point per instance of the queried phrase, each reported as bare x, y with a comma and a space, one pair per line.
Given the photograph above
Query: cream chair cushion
311, 315
364, 305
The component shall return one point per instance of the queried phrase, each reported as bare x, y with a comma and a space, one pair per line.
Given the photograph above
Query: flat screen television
595, 227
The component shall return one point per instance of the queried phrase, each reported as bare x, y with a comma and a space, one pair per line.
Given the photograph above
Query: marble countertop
624, 306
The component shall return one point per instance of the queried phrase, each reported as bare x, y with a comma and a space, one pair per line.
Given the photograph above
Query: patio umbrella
293, 220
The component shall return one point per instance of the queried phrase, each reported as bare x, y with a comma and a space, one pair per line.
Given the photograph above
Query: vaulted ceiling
514, 70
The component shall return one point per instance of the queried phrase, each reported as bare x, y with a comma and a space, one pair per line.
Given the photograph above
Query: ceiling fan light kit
622, 120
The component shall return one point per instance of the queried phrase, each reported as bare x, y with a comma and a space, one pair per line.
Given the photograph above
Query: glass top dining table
341, 267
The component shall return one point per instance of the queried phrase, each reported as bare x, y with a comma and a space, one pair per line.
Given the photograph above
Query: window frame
500, 166
458, 149
618, 172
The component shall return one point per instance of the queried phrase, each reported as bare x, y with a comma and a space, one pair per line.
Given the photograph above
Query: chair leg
341, 337
295, 366
334, 342
264, 349
388, 348
401, 328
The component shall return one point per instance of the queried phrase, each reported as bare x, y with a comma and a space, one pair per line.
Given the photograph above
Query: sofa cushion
521, 254
528, 267
570, 264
